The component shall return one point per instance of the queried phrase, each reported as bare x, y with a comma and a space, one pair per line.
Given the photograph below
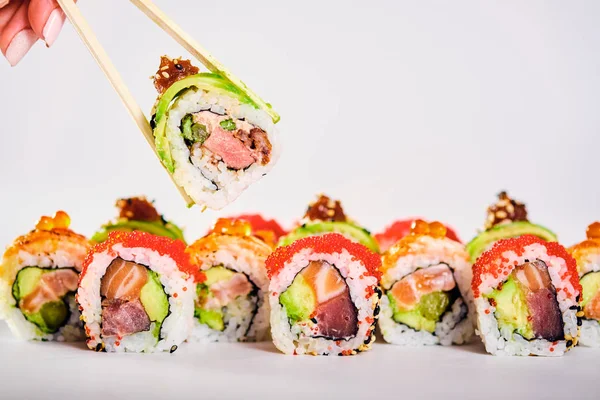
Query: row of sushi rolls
325, 287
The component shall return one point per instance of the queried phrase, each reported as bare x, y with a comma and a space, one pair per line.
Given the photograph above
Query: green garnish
228, 125
195, 133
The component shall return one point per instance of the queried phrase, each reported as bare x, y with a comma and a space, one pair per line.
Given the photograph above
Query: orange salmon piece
123, 280
51, 287
325, 280
407, 292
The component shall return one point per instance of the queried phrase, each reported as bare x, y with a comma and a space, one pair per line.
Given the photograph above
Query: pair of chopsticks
165, 23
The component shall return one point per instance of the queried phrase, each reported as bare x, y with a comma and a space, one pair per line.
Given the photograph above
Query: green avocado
482, 242
154, 299
212, 318
168, 229
590, 284
357, 233
216, 274
426, 314
25, 281
511, 308
298, 299
50, 317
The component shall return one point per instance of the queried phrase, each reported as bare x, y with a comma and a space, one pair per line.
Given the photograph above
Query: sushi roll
326, 216
527, 296
397, 230
38, 281
211, 137
138, 214
230, 305
324, 296
506, 218
426, 289
587, 256
268, 230
136, 293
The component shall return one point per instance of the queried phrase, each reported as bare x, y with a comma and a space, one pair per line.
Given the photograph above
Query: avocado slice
299, 300
590, 284
482, 242
154, 299
426, 314
511, 308
50, 317
212, 318
26, 281
357, 233
156, 228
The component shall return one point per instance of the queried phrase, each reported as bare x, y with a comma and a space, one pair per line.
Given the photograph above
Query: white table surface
34, 370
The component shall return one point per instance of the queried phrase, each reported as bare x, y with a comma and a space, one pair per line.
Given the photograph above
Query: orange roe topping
61, 220
175, 249
491, 262
328, 243
593, 231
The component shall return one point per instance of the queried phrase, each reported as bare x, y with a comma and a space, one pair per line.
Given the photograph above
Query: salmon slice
533, 275
123, 280
325, 280
408, 291
592, 308
224, 292
51, 287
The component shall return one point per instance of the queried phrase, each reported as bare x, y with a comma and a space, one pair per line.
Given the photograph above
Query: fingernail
53, 26
3, 3
20, 45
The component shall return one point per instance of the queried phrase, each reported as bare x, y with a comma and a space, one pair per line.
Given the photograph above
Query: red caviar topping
175, 295
175, 249
491, 261
117, 343
329, 243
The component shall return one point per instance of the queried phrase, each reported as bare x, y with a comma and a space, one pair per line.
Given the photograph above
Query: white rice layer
195, 172
240, 325
590, 329
20, 327
175, 328
457, 324
505, 342
294, 339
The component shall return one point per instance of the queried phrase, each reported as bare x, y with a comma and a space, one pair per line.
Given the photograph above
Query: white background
398, 108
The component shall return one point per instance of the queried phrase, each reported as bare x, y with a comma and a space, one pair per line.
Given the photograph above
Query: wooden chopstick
97, 51
188, 43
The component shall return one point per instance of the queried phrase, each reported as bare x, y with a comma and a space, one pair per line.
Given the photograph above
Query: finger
17, 37
6, 13
3, 3
47, 19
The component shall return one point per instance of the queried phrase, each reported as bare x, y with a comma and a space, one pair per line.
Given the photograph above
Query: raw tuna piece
337, 318
120, 318
231, 150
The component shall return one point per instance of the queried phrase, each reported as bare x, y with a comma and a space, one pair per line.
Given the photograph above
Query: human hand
23, 22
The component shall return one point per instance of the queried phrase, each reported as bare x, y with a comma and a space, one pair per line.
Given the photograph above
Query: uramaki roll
38, 281
587, 255
426, 284
231, 304
324, 296
527, 296
136, 293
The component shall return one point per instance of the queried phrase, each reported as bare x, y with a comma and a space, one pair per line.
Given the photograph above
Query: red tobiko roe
175, 249
487, 262
328, 243
401, 228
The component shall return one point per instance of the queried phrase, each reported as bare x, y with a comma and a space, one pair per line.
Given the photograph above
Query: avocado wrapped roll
426, 289
324, 296
327, 216
136, 293
507, 218
138, 214
38, 281
231, 305
587, 256
527, 297
210, 135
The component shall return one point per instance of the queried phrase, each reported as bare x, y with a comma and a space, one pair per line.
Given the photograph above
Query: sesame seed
166, 75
